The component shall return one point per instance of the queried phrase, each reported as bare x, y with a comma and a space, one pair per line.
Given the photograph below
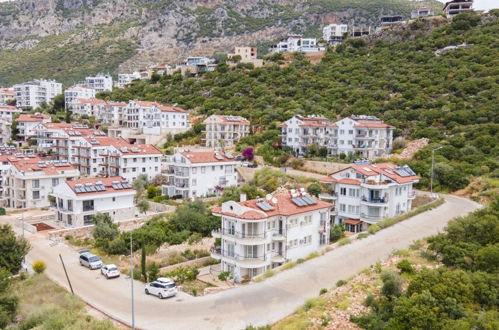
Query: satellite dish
268, 197
274, 200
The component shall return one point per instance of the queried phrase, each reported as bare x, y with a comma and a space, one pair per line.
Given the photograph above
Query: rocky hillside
65, 39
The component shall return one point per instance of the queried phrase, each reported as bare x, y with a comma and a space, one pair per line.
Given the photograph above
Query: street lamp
131, 280
432, 168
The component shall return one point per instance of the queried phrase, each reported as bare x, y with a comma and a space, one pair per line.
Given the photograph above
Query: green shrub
322, 291
183, 274
362, 235
223, 276
336, 232
405, 267
39, 266
2, 211
269, 273
300, 260
373, 229
341, 283
344, 241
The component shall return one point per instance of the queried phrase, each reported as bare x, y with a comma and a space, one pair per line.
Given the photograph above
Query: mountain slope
87, 36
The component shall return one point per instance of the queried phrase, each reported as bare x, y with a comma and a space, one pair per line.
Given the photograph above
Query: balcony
216, 252
371, 184
374, 201
370, 218
244, 237
411, 195
278, 236
216, 233
278, 257
332, 197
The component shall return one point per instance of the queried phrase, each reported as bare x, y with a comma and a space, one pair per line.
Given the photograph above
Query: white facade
365, 136
334, 33
456, 7
7, 95
295, 43
78, 201
100, 82
258, 235
26, 124
28, 180
225, 131
6, 114
126, 78
34, 93
202, 64
365, 194
200, 174
154, 118
78, 92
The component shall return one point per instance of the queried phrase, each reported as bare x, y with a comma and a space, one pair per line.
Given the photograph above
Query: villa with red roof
154, 118
78, 201
261, 234
200, 174
76, 92
364, 194
364, 136
225, 130
26, 124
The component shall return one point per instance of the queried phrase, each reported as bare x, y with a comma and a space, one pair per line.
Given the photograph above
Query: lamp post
432, 168
131, 280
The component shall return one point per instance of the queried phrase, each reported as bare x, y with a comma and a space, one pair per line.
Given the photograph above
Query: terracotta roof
284, 206
8, 108
106, 182
206, 157
238, 120
116, 104
386, 169
352, 221
6, 91
39, 117
90, 101
120, 143
165, 108
32, 164
372, 124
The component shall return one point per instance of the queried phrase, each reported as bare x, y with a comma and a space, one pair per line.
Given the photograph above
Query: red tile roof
119, 143
284, 206
32, 164
106, 182
8, 108
90, 101
373, 125
352, 221
39, 117
386, 169
238, 120
206, 157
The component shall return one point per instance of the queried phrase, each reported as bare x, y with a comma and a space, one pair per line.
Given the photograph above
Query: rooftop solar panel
298, 201
309, 200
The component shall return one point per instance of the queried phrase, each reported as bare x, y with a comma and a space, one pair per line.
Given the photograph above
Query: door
280, 227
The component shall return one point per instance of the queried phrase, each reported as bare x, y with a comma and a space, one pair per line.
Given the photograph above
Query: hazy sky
478, 4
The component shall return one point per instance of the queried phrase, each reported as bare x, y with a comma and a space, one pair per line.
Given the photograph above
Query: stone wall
86, 231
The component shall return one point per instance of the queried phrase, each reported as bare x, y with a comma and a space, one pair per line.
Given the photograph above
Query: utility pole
131, 280
432, 169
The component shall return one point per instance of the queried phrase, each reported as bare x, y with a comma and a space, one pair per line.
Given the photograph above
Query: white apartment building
202, 64
29, 180
26, 124
126, 78
76, 92
87, 107
100, 82
34, 93
107, 156
334, 33
7, 95
258, 235
113, 113
78, 201
296, 43
225, 131
364, 194
456, 7
422, 12
365, 136
6, 114
154, 118
57, 139
200, 174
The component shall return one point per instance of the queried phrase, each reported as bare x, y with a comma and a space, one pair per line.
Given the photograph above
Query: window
194, 182
55, 182
308, 219
70, 205
88, 220
343, 207
36, 183
342, 131
343, 191
203, 169
36, 194
114, 199
350, 131
88, 205
194, 170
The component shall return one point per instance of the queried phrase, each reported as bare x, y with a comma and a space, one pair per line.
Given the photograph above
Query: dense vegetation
461, 294
451, 99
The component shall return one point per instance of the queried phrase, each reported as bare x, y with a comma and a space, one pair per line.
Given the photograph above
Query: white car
110, 271
161, 289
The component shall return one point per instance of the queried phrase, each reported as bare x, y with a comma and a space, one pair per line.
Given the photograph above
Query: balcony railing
380, 200
238, 234
241, 257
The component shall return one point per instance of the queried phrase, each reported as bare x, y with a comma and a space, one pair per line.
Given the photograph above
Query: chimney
242, 197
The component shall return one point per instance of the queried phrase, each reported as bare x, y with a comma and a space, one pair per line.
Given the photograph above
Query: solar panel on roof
298, 201
100, 187
265, 206
219, 157
309, 200
125, 184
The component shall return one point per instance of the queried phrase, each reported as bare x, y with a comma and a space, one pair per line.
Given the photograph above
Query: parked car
161, 289
252, 165
240, 157
90, 260
110, 271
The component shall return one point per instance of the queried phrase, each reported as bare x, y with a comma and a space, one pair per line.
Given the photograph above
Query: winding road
256, 304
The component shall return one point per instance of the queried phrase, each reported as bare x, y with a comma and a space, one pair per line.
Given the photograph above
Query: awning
352, 221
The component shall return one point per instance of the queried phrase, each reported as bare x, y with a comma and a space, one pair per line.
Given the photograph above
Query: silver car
90, 260
110, 271
161, 289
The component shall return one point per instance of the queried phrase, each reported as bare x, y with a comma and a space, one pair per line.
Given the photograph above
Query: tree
13, 248
143, 206
314, 189
392, 285
104, 228
143, 262
8, 302
337, 232
153, 191
248, 154
487, 258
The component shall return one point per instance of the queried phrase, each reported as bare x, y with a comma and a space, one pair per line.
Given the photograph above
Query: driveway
257, 304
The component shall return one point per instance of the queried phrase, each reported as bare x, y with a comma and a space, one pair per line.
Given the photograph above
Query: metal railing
379, 200
238, 234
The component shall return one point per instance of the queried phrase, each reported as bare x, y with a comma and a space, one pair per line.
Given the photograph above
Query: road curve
256, 304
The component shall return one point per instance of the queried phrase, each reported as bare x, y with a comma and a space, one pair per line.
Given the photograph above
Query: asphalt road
257, 304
